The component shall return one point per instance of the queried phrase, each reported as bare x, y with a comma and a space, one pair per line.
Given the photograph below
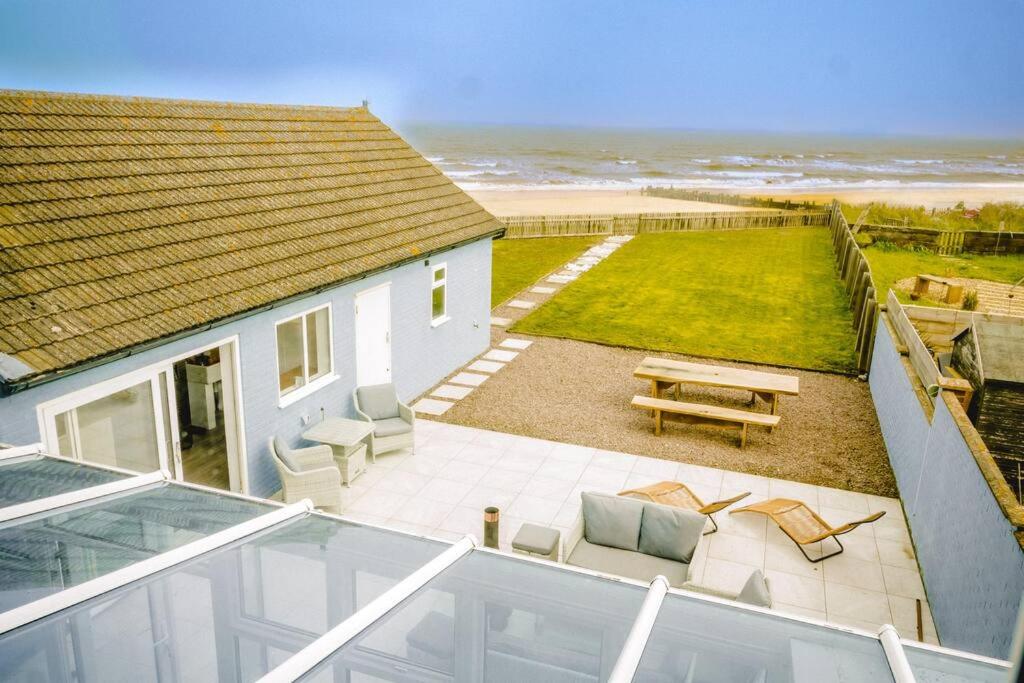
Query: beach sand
555, 202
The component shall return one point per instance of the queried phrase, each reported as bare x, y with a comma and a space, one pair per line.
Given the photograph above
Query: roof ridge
137, 99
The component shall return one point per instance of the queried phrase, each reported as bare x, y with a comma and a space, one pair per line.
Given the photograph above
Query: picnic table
665, 373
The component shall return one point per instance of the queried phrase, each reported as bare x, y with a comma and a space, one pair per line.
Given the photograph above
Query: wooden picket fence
640, 223
855, 273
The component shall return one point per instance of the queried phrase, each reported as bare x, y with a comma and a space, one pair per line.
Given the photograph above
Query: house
180, 280
990, 354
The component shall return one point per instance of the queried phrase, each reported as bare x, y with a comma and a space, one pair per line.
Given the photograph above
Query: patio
457, 471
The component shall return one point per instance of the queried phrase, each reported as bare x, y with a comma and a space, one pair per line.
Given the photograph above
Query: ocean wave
926, 162
483, 174
435, 160
626, 162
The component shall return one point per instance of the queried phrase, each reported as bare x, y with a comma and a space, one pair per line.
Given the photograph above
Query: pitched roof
125, 220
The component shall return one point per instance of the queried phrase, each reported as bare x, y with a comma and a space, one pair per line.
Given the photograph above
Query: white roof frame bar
306, 659
894, 654
44, 607
19, 451
636, 641
33, 507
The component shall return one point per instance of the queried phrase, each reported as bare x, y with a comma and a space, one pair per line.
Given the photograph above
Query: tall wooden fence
855, 273
639, 223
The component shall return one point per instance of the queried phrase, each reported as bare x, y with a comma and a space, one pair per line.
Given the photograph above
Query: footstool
537, 540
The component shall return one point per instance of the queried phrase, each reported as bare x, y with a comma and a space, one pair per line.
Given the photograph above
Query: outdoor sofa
642, 539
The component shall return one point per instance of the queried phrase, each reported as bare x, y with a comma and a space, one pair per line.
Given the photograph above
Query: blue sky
924, 67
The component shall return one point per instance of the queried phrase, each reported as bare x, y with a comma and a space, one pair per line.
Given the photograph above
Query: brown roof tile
124, 220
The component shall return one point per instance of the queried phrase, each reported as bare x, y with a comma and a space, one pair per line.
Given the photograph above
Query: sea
525, 157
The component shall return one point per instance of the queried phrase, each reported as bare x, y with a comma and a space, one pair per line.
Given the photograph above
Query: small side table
347, 438
537, 540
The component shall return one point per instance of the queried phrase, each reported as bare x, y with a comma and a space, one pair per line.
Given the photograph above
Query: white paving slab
621, 239
559, 279
451, 391
520, 303
430, 406
568, 274
443, 488
485, 366
500, 322
542, 290
500, 355
471, 379
520, 344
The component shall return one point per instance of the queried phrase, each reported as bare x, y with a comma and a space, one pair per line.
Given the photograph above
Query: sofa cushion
611, 520
285, 455
378, 401
391, 426
627, 563
670, 532
755, 591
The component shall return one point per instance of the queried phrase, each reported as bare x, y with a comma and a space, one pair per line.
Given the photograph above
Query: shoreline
520, 202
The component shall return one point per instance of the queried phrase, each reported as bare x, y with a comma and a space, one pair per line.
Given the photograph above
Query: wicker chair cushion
379, 401
391, 426
285, 455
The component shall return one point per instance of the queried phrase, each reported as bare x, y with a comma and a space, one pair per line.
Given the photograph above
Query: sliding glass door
122, 428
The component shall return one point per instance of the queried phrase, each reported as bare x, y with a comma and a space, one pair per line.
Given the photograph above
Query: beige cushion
285, 455
535, 539
378, 401
755, 591
670, 532
612, 520
391, 426
627, 563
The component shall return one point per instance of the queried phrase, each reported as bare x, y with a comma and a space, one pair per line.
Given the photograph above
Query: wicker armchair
308, 473
393, 421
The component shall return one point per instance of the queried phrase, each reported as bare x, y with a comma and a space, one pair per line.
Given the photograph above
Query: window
439, 294
304, 350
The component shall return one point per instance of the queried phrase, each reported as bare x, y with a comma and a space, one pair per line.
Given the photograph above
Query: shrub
970, 302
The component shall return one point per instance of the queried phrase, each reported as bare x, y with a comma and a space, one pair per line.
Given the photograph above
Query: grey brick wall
421, 354
972, 566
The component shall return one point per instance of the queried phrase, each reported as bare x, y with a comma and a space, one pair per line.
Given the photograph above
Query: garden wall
962, 516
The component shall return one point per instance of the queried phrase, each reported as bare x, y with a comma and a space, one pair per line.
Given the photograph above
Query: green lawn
767, 296
891, 264
518, 263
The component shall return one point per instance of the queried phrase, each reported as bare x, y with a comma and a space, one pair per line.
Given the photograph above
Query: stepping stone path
451, 391
485, 366
430, 406
501, 355
506, 350
469, 378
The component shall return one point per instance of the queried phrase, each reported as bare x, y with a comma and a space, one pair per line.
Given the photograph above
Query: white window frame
434, 284
308, 387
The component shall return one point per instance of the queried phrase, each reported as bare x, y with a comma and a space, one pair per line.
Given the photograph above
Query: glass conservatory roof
164, 581
34, 477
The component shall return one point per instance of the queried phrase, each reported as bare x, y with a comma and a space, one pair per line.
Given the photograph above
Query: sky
921, 67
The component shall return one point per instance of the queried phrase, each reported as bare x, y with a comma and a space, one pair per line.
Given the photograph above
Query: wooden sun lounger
666, 373
803, 525
696, 413
678, 494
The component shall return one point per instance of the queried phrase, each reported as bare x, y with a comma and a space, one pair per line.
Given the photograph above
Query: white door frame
387, 342
231, 380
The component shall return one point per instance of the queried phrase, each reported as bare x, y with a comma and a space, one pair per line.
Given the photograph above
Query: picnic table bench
954, 291
696, 413
665, 373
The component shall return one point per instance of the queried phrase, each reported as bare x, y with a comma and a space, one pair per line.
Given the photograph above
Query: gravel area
579, 392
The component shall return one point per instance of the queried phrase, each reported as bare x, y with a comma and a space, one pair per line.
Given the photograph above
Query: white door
373, 336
